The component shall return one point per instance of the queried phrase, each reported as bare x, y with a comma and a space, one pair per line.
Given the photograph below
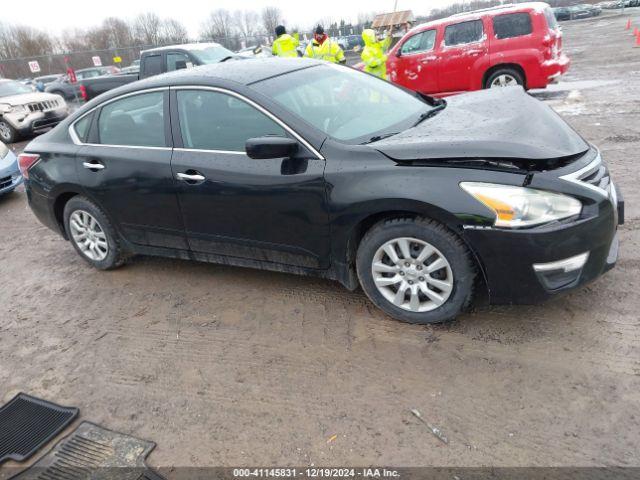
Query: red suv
500, 46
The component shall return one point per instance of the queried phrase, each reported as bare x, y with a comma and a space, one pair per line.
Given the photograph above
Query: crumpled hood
497, 123
369, 37
24, 98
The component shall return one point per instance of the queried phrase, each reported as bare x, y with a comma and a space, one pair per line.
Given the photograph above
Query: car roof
244, 72
184, 46
476, 14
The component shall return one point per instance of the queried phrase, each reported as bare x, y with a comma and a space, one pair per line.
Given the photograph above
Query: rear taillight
26, 161
83, 92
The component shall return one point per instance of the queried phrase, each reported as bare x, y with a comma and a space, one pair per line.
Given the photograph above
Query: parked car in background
160, 60
71, 91
562, 13
579, 11
23, 111
256, 51
42, 82
10, 176
318, 169
517, 44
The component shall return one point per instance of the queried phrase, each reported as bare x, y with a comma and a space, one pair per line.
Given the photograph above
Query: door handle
95, 166
429, 59
474, 53
190, 177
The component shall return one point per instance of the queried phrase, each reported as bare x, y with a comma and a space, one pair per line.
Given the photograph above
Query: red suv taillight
83, 92
25, 162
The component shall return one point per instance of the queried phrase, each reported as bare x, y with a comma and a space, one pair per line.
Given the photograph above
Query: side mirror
270, 147
181, 64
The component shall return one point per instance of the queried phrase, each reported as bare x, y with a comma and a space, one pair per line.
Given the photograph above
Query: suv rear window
512, 25
465, 32
551, 19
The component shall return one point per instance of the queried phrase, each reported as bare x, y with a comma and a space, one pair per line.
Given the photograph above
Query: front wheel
8, 134
504, 77
416, 270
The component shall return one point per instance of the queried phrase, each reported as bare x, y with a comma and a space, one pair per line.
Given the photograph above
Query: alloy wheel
504, 80
412, 274
88, 235
5, 132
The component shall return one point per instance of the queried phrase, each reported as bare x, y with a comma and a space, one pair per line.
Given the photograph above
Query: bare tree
120, 32
147, 28
271, 18
247, 23
172, 31
218, 25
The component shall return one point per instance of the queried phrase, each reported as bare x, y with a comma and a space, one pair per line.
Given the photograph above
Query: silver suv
23, 111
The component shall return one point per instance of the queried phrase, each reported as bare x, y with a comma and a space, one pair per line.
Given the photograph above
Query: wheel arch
59, 203
514, 66
405, 209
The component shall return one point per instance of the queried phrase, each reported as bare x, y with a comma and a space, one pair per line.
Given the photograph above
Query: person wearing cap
323, 48
374, 53
284, 45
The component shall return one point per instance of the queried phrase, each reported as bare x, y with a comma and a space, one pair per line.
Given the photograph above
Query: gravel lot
228, 366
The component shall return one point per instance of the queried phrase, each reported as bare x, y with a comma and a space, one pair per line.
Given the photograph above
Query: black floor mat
93, 452
27, 423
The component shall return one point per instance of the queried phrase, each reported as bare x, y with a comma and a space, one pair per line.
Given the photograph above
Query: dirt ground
226, 366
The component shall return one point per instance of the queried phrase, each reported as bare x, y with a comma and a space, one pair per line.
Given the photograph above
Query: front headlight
522, 207
5, 108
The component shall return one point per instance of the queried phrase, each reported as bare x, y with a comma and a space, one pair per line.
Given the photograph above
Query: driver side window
218, 121
420, 42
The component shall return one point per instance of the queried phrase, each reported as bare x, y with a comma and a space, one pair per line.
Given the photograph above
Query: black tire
505, 71
116, 256
8, 134
440, 237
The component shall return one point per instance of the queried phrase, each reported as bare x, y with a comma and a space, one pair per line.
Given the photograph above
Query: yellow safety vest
329, 51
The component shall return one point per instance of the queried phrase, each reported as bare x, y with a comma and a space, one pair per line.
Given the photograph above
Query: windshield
344, 103
13, 88
211, 54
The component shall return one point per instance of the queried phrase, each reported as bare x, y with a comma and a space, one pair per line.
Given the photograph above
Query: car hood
500, 123
24, 98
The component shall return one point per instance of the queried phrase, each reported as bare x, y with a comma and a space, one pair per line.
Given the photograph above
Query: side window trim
177, 135
76, 140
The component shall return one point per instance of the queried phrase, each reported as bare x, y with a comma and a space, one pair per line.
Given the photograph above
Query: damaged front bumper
532, 265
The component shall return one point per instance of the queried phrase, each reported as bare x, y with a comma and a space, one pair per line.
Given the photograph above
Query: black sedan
300, 166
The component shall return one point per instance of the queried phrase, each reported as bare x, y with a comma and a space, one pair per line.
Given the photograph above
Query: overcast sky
56, 16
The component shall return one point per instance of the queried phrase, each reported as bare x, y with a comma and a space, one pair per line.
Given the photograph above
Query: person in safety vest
374, 53
284, 45
323, 48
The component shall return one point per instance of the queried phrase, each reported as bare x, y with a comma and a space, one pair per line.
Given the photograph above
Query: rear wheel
416, 270
92, 235
504, 77
8, 134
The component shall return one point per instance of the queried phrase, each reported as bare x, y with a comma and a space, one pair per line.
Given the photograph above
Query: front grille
43, 106
594, 176
5, 182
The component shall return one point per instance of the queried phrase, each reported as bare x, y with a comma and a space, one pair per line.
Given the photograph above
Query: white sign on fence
34, 66
97, 61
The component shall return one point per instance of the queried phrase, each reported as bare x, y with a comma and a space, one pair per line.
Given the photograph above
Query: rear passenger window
152, 65
82, 127
512, 25
136, 121
420, 42
465, 32
217, 121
